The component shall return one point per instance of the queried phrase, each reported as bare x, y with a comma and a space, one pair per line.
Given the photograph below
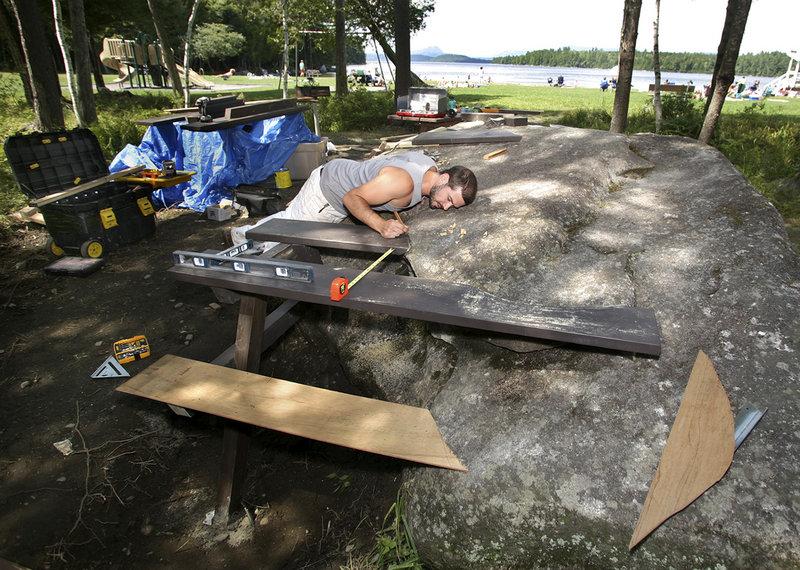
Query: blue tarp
222, 159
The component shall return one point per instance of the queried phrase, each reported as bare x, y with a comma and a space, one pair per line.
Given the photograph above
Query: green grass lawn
554, 100
547, 100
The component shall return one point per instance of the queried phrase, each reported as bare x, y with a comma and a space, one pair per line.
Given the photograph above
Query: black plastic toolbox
88, 223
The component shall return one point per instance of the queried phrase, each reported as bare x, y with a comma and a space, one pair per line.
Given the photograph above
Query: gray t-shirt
341, 175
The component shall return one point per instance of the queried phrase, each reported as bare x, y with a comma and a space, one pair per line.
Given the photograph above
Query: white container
306, 158
219, 213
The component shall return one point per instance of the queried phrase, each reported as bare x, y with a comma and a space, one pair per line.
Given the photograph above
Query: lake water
450, 73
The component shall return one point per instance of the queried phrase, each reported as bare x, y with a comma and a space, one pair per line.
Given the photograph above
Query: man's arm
392, 185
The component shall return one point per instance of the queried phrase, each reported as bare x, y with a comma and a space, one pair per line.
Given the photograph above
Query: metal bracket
745, 421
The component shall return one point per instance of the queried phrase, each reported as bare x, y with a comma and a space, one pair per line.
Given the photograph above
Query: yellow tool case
87, 223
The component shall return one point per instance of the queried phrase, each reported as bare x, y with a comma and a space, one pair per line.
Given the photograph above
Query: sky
486, 29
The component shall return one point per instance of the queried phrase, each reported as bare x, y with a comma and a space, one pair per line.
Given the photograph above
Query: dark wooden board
176, 118
220, 124
254, 107
452, 136
617, 328
321, 234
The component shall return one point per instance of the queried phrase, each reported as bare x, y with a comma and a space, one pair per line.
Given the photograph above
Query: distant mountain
434, 53
505, 53
431, 51
437, 55
456, 58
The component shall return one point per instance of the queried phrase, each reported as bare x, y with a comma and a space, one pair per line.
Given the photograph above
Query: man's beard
435, 190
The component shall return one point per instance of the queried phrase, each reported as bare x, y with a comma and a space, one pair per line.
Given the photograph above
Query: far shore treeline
764, 64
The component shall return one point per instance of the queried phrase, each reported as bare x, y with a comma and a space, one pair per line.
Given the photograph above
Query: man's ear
444, 178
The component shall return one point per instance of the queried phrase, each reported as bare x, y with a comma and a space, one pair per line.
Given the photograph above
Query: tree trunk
627, 52
11, 31
186, 51
391, 55
45, 87
402, 42
735, 22
83, 64
97, 72
169, 55
376, 32
657, 70
62, 43
285, 71
723, 42
341, 50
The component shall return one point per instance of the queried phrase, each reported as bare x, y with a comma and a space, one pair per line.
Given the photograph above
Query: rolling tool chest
87, 223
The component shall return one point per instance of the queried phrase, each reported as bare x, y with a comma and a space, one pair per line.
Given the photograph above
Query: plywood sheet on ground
385, 428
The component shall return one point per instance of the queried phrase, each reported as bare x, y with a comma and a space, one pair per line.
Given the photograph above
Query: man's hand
392, 229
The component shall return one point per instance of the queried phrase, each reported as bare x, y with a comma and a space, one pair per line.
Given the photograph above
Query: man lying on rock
383, 184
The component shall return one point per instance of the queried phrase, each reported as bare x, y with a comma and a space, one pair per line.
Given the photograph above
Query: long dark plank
320, 234
618, 328
176, 118
452, 136
222, 123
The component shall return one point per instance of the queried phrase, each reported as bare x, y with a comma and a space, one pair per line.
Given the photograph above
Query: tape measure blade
371, 267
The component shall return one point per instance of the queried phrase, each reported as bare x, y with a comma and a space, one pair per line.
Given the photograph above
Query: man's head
455, 188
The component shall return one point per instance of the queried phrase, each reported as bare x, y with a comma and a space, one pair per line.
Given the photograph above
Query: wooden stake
494, 154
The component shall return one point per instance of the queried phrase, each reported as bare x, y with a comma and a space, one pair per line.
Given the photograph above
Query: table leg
236, 437
316, 118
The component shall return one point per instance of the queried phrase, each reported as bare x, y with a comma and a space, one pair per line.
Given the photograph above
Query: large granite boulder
562, 442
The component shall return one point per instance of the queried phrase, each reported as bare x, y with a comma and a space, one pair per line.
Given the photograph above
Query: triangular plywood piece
698, 453
370, 425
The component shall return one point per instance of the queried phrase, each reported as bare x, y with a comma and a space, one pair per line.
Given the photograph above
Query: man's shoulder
415, 157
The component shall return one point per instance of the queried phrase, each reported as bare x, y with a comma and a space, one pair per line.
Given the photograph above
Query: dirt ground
141, 480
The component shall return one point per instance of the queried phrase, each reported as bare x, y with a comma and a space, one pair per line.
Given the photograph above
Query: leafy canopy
217, 42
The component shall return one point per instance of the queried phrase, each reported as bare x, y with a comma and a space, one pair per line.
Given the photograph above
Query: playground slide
195, 78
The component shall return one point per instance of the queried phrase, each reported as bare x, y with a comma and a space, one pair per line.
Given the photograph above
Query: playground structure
143, 62
789, 81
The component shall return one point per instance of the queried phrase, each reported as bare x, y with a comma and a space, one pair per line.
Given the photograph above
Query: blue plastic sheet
222, 159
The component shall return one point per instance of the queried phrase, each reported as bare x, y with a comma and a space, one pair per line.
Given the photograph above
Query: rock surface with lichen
562, 442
